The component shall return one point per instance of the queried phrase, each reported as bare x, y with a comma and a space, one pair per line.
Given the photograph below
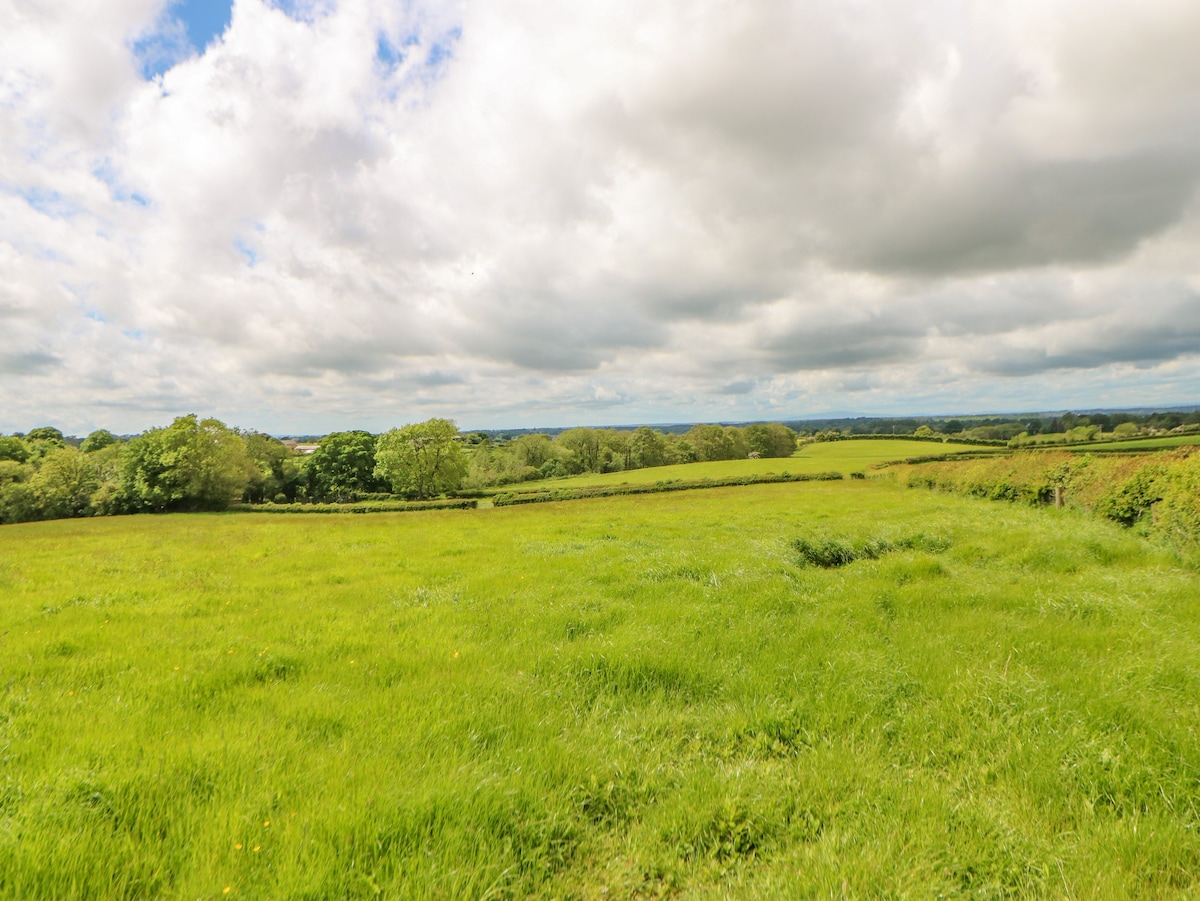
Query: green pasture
1157, 443
633, 697
828, 456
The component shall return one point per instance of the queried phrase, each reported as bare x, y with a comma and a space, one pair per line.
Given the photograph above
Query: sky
311, 215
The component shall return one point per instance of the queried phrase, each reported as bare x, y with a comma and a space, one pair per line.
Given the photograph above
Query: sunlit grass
631, 697
1142, 443
829, 456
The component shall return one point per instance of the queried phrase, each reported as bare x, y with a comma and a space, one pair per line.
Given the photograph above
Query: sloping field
1164, 441
830, 456
630, 697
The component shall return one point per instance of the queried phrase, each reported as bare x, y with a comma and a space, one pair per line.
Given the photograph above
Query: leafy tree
190, 465
274, 471
422, 459
680, 450
770, 439
343, 465
97, 440
583, 448
65, 484
616, 450
13, 448
42, 442
18, 503
647, 447
45, 433
717, 442
531, 450
1126, 430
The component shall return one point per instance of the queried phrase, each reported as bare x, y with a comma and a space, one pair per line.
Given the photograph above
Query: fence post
1058, 497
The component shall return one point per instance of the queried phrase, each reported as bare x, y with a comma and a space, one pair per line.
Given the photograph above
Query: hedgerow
369, 507
1159, 491
506, 499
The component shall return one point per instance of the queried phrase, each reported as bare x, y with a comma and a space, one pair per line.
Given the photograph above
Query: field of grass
629, 697
830, 456
1155, 443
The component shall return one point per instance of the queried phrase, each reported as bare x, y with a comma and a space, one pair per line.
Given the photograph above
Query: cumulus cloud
364, 212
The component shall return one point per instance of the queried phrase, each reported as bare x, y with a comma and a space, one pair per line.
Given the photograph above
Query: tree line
201, 464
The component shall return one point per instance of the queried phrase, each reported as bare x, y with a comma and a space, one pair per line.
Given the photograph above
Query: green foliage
647, 447
18, 503
772, 439
276, 470
343, 465
362, 507
1159, 492
716, 442
582, 447
192, 464
45, 433
98, 440
830, 552
422, 459
13, 448
65, 483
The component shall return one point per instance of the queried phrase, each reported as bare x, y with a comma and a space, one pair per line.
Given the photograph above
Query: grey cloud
1029, 214
29, 363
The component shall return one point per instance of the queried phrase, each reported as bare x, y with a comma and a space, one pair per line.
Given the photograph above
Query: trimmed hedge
366, 507
506, 499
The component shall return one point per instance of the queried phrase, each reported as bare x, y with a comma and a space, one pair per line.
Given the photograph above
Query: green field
829, 456
1157, 443
630, 697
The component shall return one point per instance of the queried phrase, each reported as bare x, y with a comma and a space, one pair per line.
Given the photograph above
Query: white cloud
374, 211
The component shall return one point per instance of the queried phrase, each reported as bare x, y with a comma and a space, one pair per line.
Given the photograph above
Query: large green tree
770, 439
343, 465
98, 440
192, 464
647, 447
13, 448
275, 472
583, 447
423, 459
65, 484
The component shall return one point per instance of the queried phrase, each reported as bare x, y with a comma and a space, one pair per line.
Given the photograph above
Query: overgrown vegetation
830, 552
1157, 492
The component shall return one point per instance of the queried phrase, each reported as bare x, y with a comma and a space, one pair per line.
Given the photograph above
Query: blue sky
204, 20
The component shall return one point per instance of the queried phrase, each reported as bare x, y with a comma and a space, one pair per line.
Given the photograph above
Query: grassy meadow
1159, 442
828, 456
631, 697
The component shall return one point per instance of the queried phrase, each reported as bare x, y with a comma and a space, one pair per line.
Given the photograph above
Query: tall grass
626, 697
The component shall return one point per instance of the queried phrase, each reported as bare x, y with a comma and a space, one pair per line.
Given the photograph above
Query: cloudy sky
302, 215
